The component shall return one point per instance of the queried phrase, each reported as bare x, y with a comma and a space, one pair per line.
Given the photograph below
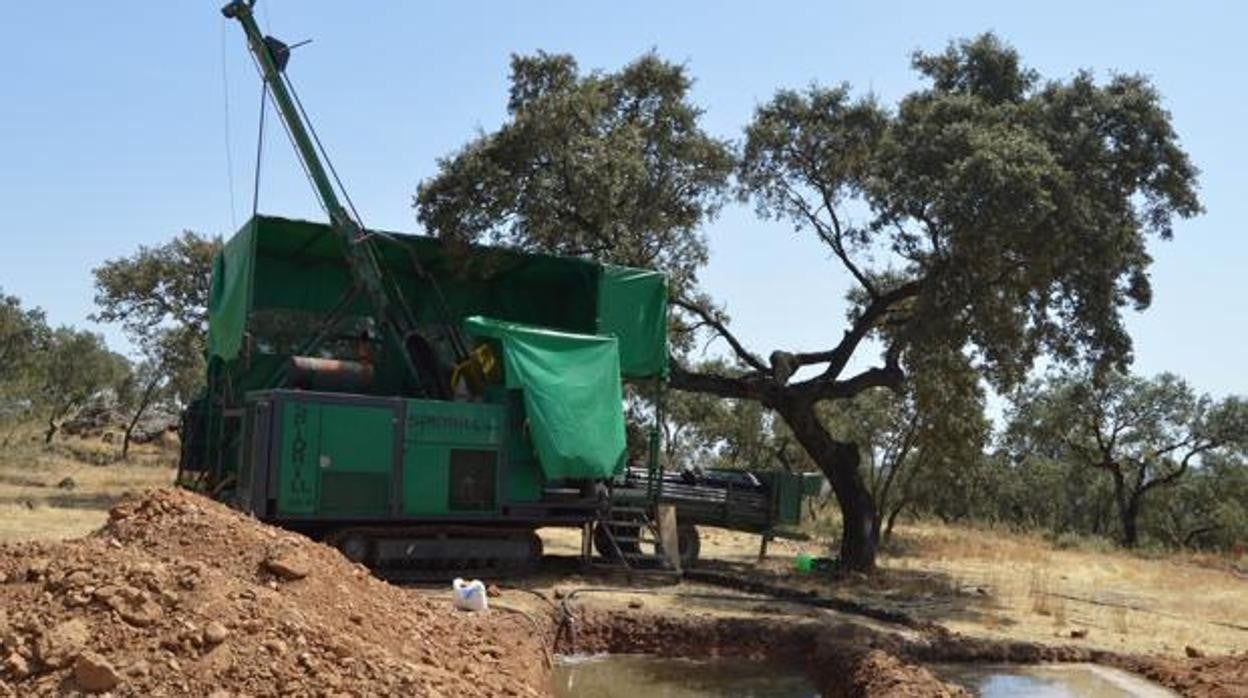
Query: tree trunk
1128, 511
839, 462
892, 520
52, 429
138, 414
1130, 522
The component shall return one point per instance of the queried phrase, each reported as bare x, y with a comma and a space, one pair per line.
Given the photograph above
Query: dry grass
1007, 585
33, 505
1021, 586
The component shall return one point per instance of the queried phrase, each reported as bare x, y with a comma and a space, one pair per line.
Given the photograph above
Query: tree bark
1130, 526
1128, 510
146, 400
839, 461
892, 520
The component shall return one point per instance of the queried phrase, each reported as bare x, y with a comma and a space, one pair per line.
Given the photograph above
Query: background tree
159, 295
992, 213
1207, 508
76, 368
1145, 434
144, 385
24, 336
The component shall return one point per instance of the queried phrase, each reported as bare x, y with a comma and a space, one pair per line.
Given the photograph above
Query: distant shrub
1070, 540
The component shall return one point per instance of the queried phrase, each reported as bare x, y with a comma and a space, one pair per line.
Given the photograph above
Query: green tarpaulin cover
572, 397
632, 307
229, 299
281, 264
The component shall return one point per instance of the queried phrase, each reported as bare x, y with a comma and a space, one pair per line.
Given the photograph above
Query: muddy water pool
643, 676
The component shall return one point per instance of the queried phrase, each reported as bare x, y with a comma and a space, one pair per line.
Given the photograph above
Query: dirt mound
1201, 677
179, 595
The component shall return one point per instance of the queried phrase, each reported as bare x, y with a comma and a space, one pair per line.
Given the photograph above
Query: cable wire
321, 148
255, 187
293, 144
229, 157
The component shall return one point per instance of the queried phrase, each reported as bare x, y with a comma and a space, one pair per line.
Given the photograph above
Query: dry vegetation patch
1010, 586
63, 491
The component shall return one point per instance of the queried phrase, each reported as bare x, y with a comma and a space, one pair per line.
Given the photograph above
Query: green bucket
803, 563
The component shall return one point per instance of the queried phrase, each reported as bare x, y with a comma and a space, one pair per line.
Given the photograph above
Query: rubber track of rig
412, 571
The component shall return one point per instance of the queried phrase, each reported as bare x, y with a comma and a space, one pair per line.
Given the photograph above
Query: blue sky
113, 128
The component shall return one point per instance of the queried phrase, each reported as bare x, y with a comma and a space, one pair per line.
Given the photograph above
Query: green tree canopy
24, 335
76, 368
159, 295
613, 166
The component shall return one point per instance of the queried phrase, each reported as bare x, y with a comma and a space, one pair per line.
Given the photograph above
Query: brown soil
178, 595
1220, 677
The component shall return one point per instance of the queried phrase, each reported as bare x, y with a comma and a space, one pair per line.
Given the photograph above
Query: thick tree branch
1184, 466
839, 356
738, 387
888, 376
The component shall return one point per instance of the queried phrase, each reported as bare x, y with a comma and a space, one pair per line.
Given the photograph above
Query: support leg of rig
762, 548
587, 543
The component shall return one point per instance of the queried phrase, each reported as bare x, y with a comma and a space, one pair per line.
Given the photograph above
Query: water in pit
645, 676
1048, 681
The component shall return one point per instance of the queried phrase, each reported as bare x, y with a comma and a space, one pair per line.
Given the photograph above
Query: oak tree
992, 213
609, 165
159, 295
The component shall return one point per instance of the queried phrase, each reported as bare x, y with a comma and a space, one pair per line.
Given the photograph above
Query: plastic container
803, 563
469, 596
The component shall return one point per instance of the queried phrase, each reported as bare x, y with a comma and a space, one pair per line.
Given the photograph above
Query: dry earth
1008, 586
178, 595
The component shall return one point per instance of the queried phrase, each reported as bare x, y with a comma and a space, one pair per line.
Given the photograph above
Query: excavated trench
644, 676
629, 654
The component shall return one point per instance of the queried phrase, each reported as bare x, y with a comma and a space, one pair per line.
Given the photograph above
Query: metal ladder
628, 531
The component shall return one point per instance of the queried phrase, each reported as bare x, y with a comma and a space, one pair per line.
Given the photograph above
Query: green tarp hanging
572, 396
632, 306
229, 299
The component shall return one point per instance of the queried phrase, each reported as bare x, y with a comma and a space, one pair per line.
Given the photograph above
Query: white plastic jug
470, 596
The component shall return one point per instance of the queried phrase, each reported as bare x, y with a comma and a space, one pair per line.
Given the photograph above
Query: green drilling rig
420, 405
